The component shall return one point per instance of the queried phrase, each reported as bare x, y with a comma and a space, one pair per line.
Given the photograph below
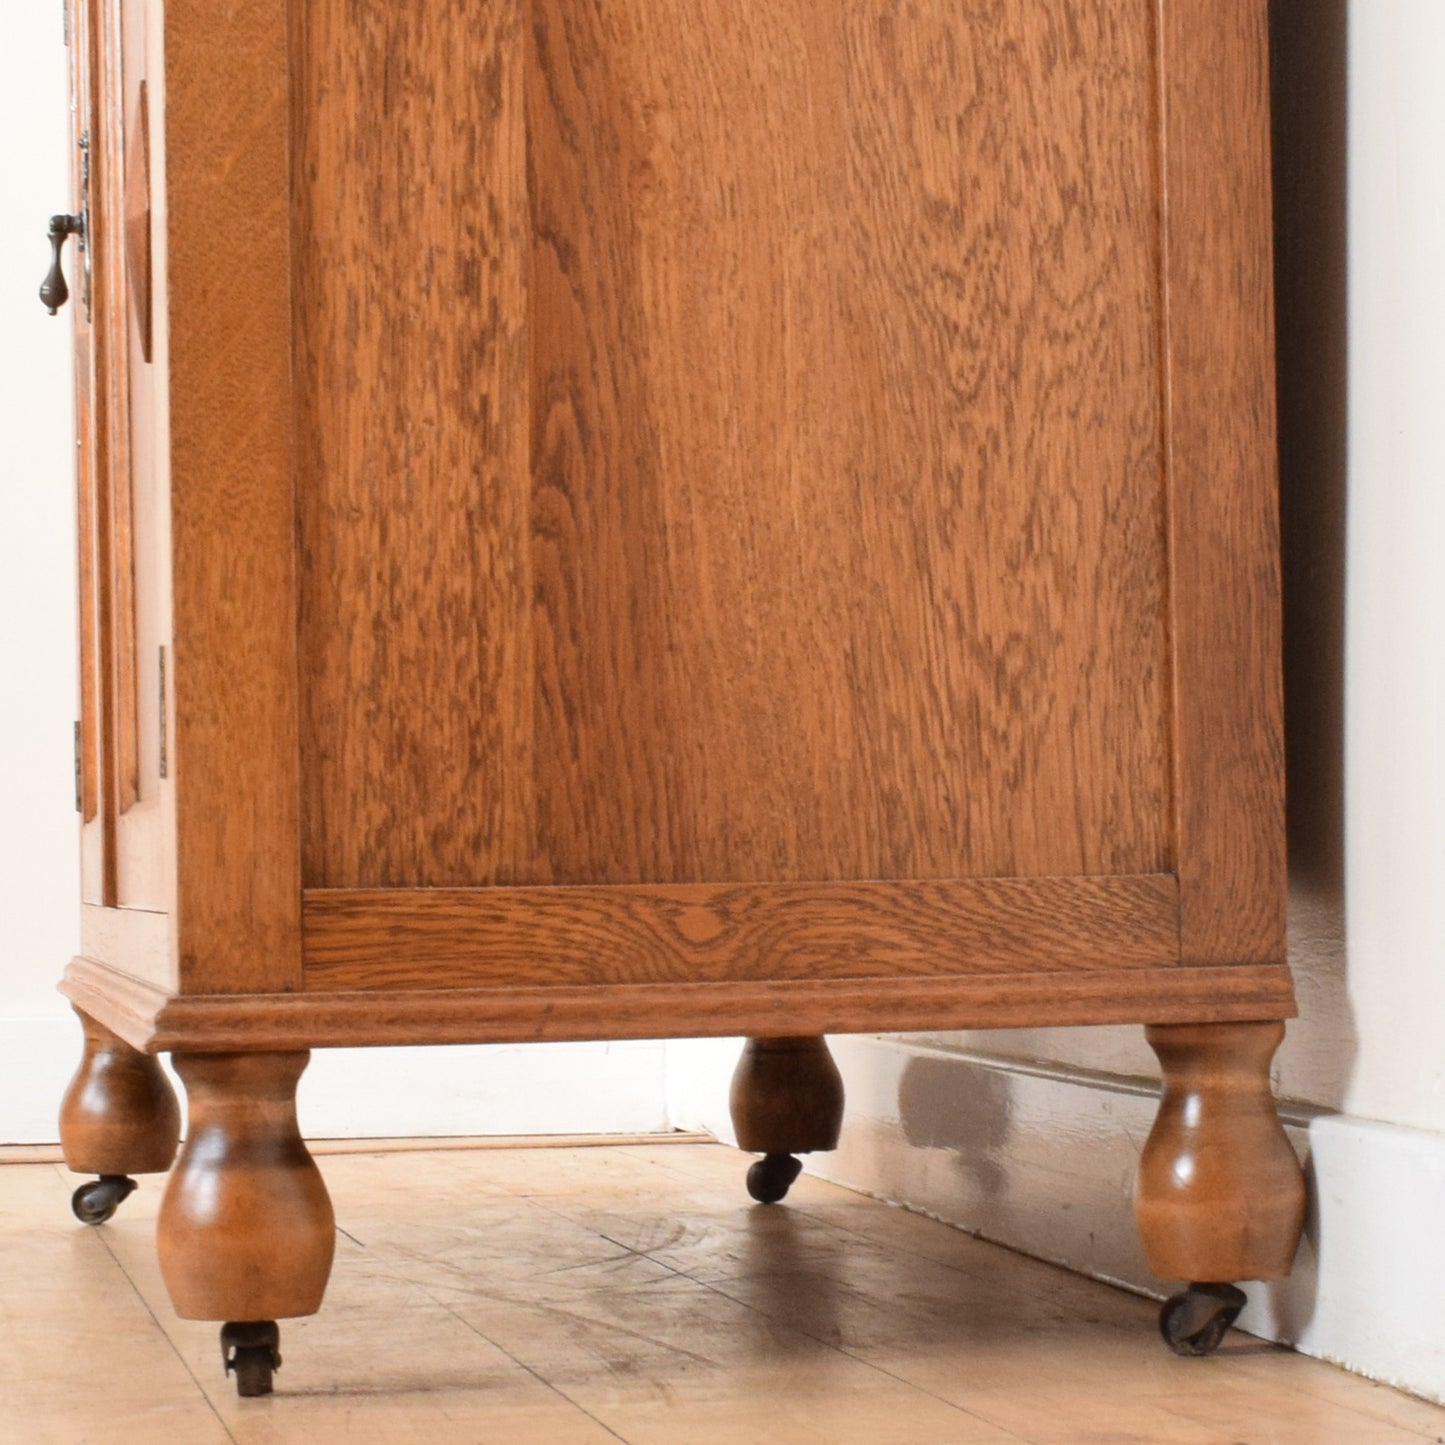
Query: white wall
536, 1089
38, 868
1395, 650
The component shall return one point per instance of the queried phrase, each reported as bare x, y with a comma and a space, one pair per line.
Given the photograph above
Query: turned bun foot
119, 1117
246, 1231
787, 1099
1220, 1195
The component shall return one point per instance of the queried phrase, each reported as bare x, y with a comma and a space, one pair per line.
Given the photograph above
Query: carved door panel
140, 477
121, 520
92, 773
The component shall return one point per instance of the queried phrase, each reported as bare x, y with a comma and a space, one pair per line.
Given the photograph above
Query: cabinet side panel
765, 482
846, 453
235, 753
411, 375
1229, 750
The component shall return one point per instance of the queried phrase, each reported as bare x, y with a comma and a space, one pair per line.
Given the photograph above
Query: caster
772, 1176
1193, 1323
252, 1349
95, 1202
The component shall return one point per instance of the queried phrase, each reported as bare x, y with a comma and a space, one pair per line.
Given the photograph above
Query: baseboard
37, 1057
401, 1092
1042, 1159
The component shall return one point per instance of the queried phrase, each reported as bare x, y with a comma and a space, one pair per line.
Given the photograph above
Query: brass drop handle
53, 290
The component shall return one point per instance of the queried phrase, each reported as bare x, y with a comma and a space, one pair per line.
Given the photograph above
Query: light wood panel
766, 482
142, 566
151, 1018
373, 939
134, 939
124, 561
108, 460
117, 482
89, 457
1223, 490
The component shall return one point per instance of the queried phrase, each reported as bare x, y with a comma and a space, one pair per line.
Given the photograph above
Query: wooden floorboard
594, 1294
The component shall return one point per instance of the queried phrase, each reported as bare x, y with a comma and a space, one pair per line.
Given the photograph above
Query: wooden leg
119, 1117
1220, 1195
787, 1099
246, 1233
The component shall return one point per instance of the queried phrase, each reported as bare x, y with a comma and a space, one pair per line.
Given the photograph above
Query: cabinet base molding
155, 1021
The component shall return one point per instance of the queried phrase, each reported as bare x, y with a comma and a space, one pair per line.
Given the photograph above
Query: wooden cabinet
648, 518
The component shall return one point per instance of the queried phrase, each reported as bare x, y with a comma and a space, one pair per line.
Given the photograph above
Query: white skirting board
592, 1088
1043, 1160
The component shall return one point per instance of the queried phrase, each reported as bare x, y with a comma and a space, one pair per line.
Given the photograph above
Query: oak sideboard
651, 518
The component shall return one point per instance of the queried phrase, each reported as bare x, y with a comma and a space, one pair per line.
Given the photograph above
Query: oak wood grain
115, 490
143, 825
153, 1019
1223, 483
412, 402
735, 460
441, 937
234, 673
763, 482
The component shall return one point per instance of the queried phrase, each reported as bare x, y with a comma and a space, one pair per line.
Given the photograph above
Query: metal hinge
79, 766
65, 22
165, 764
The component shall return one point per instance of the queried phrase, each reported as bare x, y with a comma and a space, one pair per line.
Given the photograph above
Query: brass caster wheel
772, 1176
1194, 1323
252, 1350
95, 1202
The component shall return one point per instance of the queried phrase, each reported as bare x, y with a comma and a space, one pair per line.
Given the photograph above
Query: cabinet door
121, 522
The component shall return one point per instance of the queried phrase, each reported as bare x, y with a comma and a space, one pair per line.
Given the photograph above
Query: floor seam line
522, 1364
165, 1335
